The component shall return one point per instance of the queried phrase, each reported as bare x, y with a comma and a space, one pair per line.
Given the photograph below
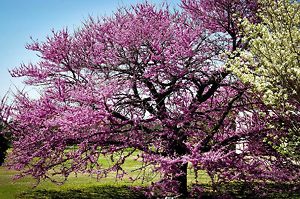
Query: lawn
80, 185
85, 186
10, 189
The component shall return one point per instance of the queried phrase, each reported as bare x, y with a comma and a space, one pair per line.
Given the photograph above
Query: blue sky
20, 19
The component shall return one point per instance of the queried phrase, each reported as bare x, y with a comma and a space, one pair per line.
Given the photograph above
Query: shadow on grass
99, 192
226, 191
239, 190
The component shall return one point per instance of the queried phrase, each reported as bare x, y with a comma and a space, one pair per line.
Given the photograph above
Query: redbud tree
146, 80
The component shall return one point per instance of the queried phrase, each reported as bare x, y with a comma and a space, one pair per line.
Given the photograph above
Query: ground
84, 186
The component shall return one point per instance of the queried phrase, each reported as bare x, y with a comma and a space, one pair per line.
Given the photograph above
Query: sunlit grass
10, 189
87, 186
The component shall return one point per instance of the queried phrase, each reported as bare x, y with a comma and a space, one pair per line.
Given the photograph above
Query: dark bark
181, 150
182, 180
4, 144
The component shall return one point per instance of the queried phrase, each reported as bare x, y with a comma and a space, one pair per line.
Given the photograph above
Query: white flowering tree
271, 64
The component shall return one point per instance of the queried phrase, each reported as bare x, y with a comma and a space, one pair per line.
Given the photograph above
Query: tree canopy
150, 80
4, 144
271, 64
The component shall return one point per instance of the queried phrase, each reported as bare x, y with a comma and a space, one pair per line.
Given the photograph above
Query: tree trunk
182, 180
181, 149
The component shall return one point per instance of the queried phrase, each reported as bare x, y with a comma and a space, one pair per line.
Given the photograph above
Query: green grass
10, 189
85, 186
101, 192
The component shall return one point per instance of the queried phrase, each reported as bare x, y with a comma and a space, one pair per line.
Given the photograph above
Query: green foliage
271, 65
4, 144
272, 62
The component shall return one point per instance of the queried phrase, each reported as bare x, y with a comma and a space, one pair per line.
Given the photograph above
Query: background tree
146, 80
4, 135
272, 66
4, 144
